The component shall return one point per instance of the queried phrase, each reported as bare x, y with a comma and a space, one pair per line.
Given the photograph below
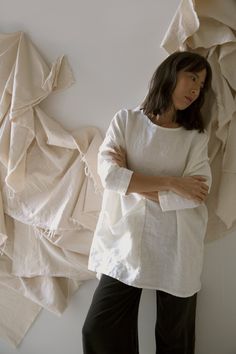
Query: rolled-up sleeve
197, 164
114, 177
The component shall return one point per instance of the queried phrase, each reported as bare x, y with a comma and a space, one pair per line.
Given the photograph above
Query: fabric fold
14, 326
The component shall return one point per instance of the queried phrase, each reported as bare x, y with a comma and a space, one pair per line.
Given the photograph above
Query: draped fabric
50, 194
25, 312
208, 27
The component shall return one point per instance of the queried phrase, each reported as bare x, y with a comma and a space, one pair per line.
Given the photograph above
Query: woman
154, 167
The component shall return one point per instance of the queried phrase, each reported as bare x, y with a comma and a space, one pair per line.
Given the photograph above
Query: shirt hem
149, 287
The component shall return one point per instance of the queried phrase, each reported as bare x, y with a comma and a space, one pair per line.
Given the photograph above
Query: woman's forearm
192, 187
142, 183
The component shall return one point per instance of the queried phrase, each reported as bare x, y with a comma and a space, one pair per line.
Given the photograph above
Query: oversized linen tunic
138, 241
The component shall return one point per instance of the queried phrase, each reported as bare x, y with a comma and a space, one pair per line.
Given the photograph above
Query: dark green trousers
111, 324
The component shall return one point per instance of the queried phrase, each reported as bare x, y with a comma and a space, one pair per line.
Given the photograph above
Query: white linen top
138, 241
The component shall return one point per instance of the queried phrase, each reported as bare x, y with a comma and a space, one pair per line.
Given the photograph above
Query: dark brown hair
162, 85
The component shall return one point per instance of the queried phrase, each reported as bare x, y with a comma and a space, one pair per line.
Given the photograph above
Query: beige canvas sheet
15, 324
50, 191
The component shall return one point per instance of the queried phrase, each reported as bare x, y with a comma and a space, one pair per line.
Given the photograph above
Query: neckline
156, 125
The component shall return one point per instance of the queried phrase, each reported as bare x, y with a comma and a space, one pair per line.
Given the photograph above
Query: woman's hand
191, 187
118, 155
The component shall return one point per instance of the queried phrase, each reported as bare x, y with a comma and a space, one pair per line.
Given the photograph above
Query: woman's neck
168, 116
167, 119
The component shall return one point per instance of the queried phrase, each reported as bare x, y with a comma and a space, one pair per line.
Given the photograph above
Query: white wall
113, 47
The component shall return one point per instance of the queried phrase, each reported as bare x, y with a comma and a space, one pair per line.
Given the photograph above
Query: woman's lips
189, 99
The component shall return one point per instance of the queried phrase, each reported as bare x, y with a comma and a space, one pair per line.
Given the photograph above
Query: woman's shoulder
125, 115
126, 112
198, 139
200, 136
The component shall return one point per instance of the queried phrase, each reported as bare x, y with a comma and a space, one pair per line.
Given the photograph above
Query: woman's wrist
165, 183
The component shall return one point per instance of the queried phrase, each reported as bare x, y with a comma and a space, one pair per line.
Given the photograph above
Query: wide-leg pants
111, 326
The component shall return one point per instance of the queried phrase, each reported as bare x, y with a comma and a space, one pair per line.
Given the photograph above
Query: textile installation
50, 191
208, 27
50, 194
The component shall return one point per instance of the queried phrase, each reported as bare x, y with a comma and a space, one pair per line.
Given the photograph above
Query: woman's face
188, 87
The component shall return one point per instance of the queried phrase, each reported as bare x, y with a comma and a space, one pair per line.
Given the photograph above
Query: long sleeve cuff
114, 177
119, 179
171, 201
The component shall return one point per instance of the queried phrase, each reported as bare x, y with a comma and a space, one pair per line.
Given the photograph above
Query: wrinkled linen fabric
17, 312
14, 325
50, 191
208, 27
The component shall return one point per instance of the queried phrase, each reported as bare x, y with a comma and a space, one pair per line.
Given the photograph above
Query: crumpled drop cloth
208, 27
50, 191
